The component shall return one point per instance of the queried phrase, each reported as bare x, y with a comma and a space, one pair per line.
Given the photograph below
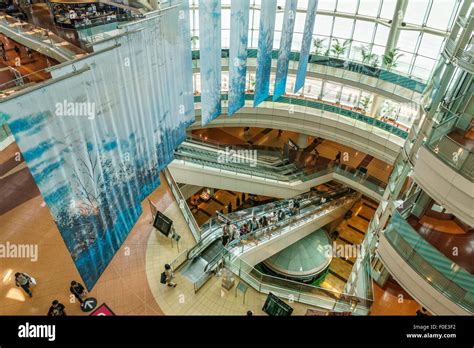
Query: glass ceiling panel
388, 7
369, 7
416, 11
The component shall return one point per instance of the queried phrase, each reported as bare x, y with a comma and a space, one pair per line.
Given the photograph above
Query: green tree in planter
337, 48
391, 58
318, 46
364, 103
369, 58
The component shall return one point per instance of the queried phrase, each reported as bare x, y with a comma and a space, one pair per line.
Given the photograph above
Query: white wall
445, 185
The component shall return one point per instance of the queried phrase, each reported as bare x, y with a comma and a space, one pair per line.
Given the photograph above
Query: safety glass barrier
188, 216
283, 221
455, 155
440, 272
42, 37
292, 290
200, 157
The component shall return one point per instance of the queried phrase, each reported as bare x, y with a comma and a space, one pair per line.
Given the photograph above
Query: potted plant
337, 48
194, 41
318, 46
391, 58
364, 103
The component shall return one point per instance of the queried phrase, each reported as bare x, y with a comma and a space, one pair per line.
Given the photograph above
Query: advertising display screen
275, 307
162, 223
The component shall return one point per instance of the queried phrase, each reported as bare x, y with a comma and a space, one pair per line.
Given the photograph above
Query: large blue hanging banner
264, 54
239, 28
306, 44
285, 48
96, 136
186, 73
210, 59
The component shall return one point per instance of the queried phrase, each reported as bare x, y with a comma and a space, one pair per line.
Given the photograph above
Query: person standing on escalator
226, 234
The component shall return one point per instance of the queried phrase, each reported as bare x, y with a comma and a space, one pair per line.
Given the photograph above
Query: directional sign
89, 304
103, 311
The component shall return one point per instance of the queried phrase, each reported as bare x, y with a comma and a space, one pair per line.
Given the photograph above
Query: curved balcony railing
436, 269
455, 155
325, 106
350, 66
209, 159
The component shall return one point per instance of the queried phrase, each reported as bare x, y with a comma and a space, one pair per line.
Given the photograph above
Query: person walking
229, 207
17, 50
226, 234
29, 52
338, 157
78, 290
24, 281
237, 202
57, 309
169, 276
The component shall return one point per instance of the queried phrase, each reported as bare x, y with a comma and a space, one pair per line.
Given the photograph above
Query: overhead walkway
210, 165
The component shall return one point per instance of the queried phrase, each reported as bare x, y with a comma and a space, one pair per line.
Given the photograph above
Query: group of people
25, 281
17, 49
230, 231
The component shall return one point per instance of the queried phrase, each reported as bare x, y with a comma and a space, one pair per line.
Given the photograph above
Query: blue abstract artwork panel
306, 44
239, 27
285, 48
210, 59
96, 137
264, 53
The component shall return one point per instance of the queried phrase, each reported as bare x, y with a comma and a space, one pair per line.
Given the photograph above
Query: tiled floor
211, 299
393, 300
123, 285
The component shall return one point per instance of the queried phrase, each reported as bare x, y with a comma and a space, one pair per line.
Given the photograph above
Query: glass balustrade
436, 269
455, 155
210, 159
295, 291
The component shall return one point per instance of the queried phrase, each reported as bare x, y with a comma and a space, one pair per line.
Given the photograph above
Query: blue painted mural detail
285, 48
186, 73
239, 26
306, 44
264, 54
210, 53
96, 140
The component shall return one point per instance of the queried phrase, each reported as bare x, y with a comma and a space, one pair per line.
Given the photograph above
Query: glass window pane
381, 35
430, 45
369, 7
347, 6
322, 25
440, 14
342, 27
327, 5
388, 7
423, 67
407, 40
416, 11
364, 31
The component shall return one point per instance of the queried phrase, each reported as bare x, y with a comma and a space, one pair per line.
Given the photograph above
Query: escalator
206, 256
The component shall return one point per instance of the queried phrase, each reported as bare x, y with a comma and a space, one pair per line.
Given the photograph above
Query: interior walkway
327, 149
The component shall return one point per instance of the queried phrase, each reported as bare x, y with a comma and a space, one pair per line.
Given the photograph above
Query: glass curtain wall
358, 30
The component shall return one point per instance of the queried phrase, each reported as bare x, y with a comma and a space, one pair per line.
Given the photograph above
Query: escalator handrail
284, 223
